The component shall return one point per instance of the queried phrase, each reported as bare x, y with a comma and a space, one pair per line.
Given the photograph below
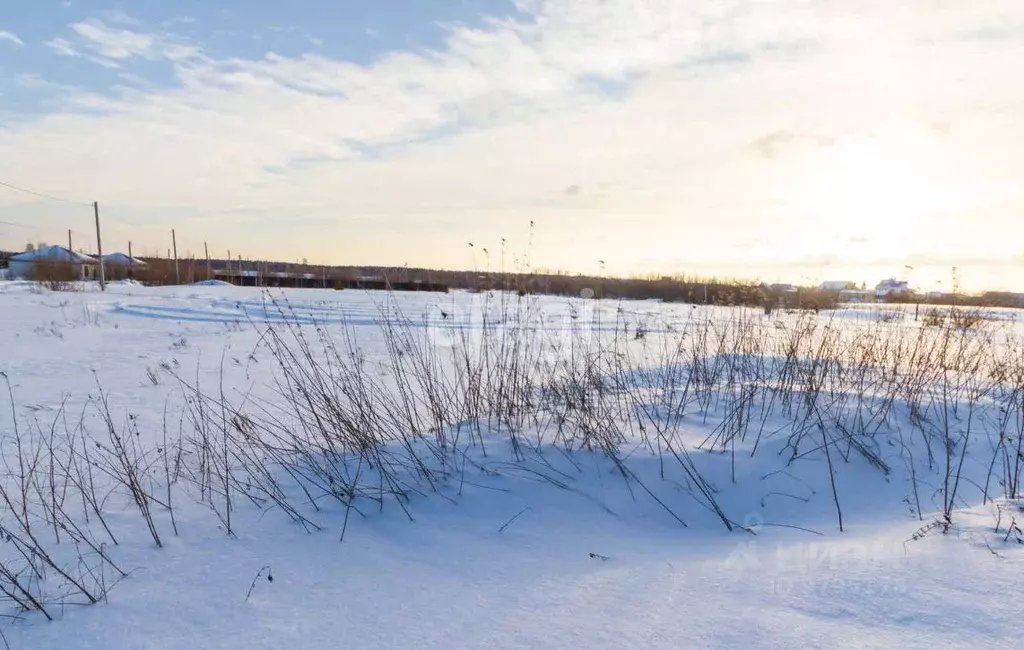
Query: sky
784, 140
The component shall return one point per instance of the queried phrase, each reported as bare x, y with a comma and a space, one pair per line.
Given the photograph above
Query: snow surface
508, 561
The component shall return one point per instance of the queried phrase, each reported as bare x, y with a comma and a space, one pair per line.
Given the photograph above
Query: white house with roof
118, 266
27, 265
891, 286
122, 260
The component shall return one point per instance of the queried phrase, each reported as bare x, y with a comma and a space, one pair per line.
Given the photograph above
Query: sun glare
870, 199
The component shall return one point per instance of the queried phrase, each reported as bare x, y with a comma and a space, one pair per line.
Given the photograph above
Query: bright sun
869, 199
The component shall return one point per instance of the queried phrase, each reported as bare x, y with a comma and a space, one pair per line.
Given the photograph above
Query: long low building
259, 278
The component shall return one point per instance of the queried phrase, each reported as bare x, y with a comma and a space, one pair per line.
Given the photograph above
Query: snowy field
428, 470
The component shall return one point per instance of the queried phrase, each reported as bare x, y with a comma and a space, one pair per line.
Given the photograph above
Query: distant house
837, 285
117, 266
52, 262
120, 259
891, 286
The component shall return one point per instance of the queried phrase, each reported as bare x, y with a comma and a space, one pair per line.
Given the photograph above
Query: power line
16, 225
45, 196
118, 218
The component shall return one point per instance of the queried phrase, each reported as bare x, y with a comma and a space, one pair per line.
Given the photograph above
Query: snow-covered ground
544, 538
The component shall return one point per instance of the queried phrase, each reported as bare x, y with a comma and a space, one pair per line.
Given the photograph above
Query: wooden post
69, 241
209, 269
131, 262
177, 272
99, 245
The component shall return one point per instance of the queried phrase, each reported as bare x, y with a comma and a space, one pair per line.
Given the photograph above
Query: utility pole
99, 245
956, 287
177, 273
132, 259
209, 269
69, 241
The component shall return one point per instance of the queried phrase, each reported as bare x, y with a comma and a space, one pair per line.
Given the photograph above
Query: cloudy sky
792, 140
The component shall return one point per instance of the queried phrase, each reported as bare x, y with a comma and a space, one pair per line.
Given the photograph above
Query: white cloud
180, 20
109, 46
106, 63
36, 83
10, 37
121, 18
670, 118
62, 47
114, 43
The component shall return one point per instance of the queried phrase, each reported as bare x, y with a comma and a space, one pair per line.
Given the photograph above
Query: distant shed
118, 266
122, 260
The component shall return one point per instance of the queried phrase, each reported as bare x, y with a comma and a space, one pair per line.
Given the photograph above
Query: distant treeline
710, 291
687, 289
1006, 299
